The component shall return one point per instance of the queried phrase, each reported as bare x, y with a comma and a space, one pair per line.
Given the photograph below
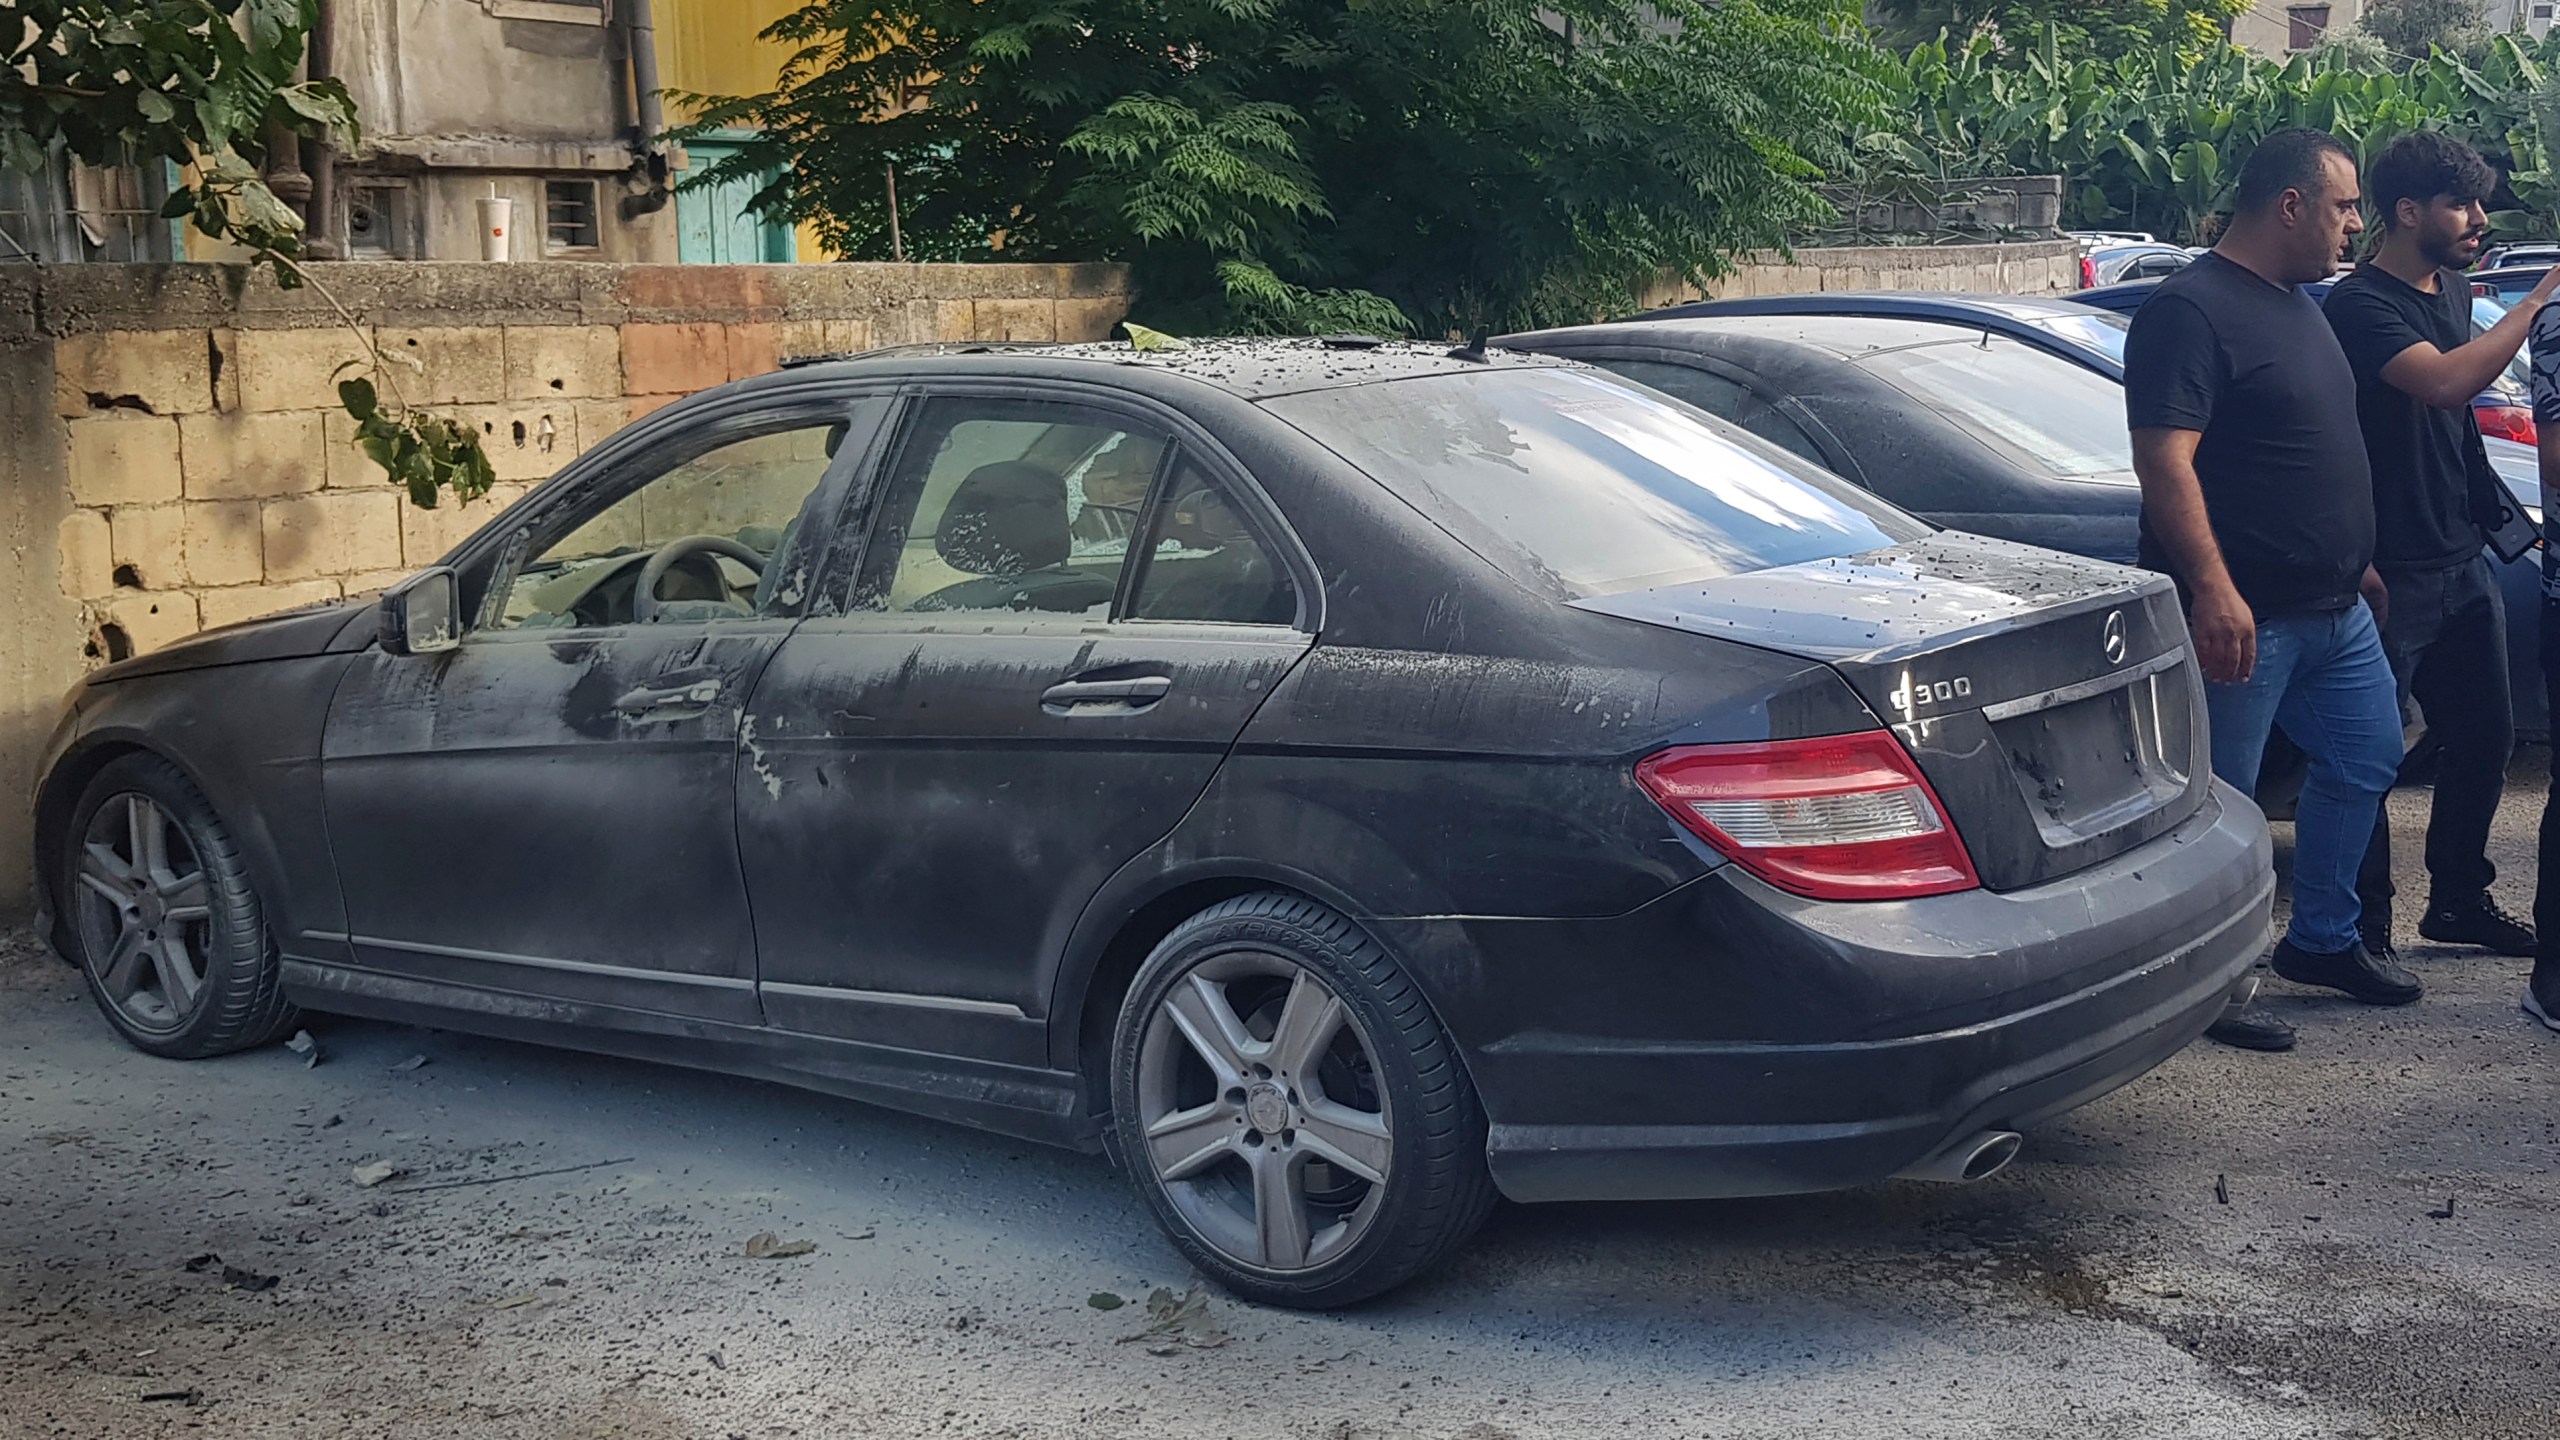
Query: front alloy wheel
1291, 1108
168, 929
144, 911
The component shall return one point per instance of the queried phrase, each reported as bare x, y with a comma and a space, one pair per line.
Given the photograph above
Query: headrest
1009, 518
1203, 515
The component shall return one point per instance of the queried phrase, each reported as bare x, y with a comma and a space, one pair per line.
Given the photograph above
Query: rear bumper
1734, 1040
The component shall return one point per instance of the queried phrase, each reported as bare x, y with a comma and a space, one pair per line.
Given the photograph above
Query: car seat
1006, 524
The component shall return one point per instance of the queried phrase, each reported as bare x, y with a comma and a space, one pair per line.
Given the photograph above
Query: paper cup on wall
494, 224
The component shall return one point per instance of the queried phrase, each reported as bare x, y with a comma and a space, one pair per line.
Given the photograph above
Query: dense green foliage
2105, 29
2414, 27
2155, 142
203, 85
1316, 164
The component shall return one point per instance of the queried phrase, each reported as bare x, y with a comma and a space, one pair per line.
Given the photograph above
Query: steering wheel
644, 595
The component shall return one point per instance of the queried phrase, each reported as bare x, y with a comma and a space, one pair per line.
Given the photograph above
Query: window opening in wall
66, 212
568, 215
379, 223
2305, 24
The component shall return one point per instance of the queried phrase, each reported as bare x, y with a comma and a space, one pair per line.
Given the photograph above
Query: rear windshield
1585, 485
2063, 418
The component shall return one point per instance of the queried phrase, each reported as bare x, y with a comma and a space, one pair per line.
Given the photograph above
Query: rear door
1067, 608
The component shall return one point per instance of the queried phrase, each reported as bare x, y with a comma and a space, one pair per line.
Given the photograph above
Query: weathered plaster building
550, 104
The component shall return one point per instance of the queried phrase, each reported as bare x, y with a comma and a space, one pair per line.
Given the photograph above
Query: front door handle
674, 702
1081, 699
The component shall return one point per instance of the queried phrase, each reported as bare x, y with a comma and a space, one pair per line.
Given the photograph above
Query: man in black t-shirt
2256, 496
2404, 319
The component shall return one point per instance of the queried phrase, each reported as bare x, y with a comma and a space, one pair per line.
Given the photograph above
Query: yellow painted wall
714, 47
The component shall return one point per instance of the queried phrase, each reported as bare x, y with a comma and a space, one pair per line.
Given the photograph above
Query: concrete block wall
179, 460
2042, 267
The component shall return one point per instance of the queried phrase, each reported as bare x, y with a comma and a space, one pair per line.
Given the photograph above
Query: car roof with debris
1253, 368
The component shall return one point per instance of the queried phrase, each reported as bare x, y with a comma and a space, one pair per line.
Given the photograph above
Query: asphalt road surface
2358, 1239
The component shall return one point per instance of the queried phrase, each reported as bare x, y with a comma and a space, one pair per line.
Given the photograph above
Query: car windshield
1579, 484
2099, 330
2065, 419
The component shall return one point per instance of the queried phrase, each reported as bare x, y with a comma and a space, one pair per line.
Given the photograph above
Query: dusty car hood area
2099, 1288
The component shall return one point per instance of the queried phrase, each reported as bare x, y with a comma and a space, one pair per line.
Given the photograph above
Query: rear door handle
1099, 698
674, 702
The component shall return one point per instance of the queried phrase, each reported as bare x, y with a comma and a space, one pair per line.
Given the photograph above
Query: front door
548, 808
1065, 614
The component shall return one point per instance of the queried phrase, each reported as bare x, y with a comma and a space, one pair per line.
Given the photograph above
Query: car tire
163, 921
1312, 1168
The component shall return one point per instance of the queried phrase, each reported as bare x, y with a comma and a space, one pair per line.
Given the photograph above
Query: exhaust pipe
1977, 1157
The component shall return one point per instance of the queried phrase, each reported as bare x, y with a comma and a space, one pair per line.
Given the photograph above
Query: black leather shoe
2353, 970
2251, 1028
2478, 921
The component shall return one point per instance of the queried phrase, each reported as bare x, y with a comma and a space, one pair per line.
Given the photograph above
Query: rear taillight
1840, 817
2088, 272
2505, 422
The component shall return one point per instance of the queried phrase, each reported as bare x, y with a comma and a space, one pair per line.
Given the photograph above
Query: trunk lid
2052, 702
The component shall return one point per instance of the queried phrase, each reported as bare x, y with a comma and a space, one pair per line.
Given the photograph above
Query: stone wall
177, 459
2012, 203
2040, 267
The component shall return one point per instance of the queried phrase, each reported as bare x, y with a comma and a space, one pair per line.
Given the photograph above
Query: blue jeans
2323, 677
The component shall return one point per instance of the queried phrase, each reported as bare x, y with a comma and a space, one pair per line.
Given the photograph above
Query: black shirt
2258, 371
2421, 455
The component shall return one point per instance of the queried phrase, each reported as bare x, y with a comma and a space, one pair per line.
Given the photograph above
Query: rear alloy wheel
1291, 1108
167, 930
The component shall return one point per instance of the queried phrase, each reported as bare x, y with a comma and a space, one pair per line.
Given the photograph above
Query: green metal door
714, 225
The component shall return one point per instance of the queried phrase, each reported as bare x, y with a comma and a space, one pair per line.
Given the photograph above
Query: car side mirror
420, 615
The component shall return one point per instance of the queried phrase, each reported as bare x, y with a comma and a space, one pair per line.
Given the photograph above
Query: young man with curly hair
2404, 320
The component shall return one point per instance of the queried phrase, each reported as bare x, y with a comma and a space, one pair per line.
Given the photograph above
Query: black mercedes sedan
1342, 780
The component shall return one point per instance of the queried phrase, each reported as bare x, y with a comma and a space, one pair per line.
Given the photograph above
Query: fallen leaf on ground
303, 1045
1175, 1322
520, 1298
1104, 1300
201, 1264
250, 1280
65, 1137
184, 1397
375, 1173
765, 1245
412, 1063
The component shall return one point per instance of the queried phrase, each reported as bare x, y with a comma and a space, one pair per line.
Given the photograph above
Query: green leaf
1143, 339
155, 107
357, 395
319, 106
